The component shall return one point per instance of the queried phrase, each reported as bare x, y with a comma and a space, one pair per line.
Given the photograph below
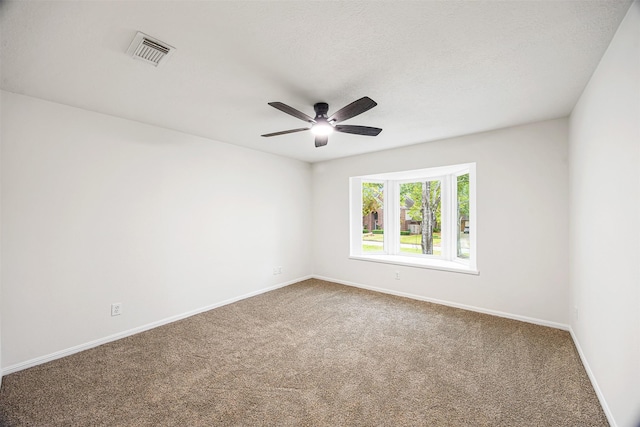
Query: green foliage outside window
372, 197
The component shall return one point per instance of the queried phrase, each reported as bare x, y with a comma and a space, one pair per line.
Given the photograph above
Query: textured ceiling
436, 69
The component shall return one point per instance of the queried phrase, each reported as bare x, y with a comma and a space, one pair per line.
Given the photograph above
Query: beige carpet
315, 354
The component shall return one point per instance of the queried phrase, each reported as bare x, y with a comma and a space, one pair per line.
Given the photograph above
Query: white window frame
448, 260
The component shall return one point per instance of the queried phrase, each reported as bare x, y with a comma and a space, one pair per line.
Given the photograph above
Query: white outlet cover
116, 309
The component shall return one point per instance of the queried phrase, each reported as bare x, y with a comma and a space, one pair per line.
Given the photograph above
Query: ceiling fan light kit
322, 125
322, 129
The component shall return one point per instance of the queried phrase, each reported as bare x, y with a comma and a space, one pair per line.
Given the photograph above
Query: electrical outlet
275, 270
116, 309
279, 270
397, 275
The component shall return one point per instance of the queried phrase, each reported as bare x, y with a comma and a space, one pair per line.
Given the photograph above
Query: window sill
409, 261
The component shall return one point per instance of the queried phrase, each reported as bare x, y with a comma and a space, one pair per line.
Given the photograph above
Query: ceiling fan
322, 126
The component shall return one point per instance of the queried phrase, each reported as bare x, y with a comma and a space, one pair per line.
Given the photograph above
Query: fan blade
353, 109
321, 140
284, 132
358, 130
291, 111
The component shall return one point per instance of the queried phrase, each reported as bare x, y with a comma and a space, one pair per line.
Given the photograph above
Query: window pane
420, 218
372, 217
463, 247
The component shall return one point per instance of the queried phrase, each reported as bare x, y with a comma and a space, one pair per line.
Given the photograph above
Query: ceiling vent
150, 50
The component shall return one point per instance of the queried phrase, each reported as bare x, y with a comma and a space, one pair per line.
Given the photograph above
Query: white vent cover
150, 50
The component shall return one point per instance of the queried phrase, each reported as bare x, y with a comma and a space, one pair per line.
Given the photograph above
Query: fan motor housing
321, 109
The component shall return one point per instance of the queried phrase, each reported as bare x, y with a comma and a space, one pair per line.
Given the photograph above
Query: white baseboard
592, 378
81, 347
533, 320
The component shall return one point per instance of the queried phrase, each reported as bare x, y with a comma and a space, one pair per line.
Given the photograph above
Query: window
372, 217
420, 209
424, 218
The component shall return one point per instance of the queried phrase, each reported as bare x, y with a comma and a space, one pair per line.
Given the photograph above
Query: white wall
605, 212
97, 209
522, 192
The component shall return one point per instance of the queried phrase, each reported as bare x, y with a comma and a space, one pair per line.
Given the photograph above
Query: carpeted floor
315, 354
